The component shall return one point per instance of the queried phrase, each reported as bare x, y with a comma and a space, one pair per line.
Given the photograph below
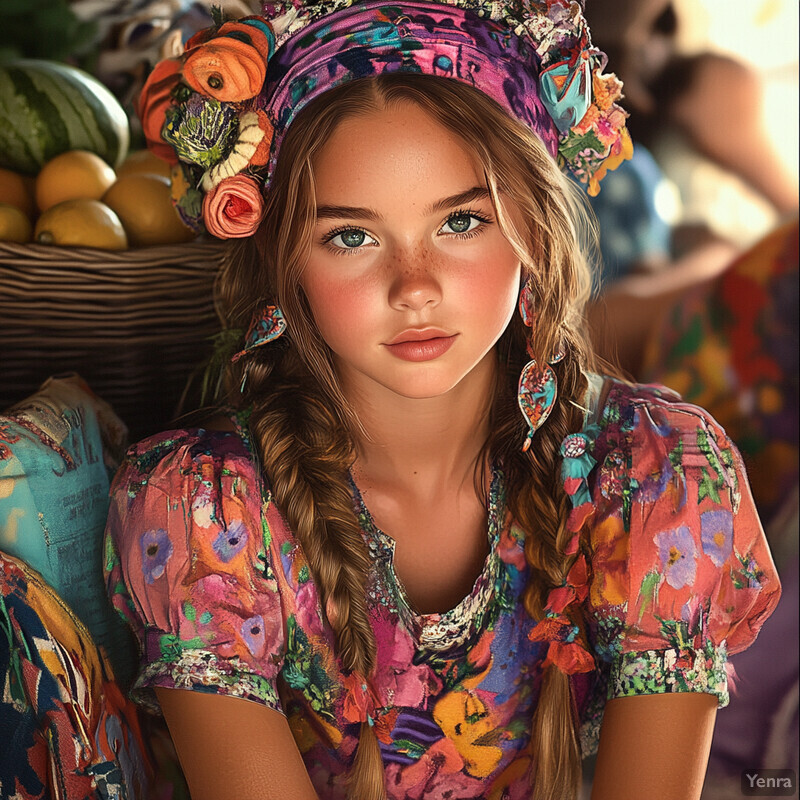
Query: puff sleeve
189, 564
681, 574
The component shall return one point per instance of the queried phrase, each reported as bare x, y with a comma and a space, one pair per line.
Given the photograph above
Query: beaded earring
538, 385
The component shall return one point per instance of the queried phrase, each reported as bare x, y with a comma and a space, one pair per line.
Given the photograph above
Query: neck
423, 444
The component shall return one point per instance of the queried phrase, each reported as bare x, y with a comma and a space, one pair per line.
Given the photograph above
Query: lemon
70, 176
81, 223
143, 161
144, 205
17, 190
14, 225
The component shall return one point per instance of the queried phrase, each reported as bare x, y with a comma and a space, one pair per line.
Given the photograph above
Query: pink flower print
252, 631
439, 775
716, 535
230, 541
156, 551
402, 683
308, 609
678, 554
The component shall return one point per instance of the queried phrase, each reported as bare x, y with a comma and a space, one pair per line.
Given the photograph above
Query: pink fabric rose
233, 209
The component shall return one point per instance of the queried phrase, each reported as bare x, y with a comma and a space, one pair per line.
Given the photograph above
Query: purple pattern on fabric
717, 535
230, 541
156, 551
678, 554
373, 38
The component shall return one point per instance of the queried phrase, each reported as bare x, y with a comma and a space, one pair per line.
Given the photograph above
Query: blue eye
352, 238
463, 222
349, 238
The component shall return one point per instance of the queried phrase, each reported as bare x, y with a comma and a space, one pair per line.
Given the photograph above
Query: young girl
428, 551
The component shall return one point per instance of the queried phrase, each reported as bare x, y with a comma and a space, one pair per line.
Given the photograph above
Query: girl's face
410, 280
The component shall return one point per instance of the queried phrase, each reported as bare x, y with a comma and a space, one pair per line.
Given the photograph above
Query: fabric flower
156, 552
678, 554
607, 89
202, 131
248, 144
234, 208
359, 701
620, 152
154, 101
230, 67
565, 649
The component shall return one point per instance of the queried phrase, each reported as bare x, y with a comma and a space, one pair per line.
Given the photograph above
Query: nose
414, 283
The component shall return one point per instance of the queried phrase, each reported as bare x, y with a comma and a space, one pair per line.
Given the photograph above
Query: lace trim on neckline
449, 629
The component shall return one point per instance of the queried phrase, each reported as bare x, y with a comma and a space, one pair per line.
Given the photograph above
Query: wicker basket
135, 324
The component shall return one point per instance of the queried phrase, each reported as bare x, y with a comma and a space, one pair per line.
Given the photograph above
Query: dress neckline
438, 630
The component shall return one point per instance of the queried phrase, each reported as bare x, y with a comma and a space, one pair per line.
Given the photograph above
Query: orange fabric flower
565, 650
227, 69
622, 151
570, 658
360, 701
234, 208
154, 100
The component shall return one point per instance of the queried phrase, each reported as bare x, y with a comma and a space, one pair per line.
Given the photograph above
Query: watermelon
47, 108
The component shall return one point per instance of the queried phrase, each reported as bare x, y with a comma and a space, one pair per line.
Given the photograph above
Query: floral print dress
220, 595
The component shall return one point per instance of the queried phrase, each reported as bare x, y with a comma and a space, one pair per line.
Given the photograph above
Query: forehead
398, 152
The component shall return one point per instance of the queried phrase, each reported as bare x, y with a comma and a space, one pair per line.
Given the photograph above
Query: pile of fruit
60, 132
77, 200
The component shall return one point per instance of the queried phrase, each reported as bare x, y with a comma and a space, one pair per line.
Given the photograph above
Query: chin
423, 387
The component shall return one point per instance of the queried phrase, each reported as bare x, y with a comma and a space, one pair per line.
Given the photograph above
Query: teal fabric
54, 501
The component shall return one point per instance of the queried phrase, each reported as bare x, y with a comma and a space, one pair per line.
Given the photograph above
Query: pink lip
419, 335
423, 344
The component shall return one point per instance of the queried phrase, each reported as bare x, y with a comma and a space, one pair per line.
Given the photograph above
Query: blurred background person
715, 160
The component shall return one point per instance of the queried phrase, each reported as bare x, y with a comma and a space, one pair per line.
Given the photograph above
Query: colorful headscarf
219, 112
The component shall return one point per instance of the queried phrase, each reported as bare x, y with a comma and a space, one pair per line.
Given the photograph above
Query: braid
556, 747
306, 452
539, 504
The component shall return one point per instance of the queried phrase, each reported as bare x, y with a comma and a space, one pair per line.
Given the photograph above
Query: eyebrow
361, 212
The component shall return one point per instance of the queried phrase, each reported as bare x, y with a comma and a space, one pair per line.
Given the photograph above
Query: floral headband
219, 112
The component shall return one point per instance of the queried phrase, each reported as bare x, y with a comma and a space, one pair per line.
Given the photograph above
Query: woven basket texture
135, 324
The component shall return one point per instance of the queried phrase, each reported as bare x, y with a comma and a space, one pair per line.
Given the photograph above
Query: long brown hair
304, 429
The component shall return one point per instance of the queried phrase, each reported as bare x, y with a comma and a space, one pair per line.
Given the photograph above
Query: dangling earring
538, 386
267, 325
